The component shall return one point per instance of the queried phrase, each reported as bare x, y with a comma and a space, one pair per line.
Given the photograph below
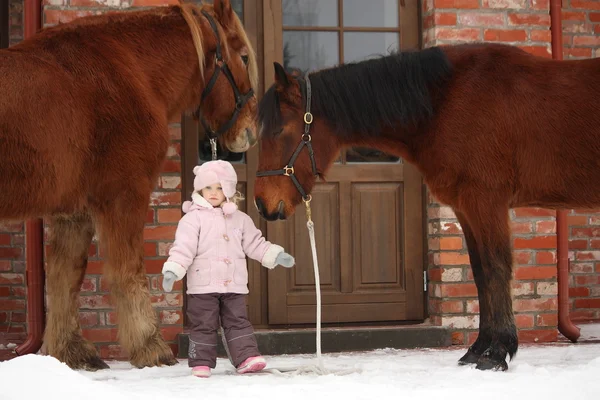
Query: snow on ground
554, 371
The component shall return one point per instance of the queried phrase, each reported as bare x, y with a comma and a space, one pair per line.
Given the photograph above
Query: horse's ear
281, 79
224, 12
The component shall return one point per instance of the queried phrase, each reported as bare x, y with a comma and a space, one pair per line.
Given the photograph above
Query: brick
150, 249
546, 319
537, 335
529, 19
172, 317
521, 227
524, 321
458, 34
449, 258
587, 303
451, 243
153, 266
165, 198
516, 4
586, 4
533, 212
160, 232
456, 4
12, 305
528, 273
539, 4
458, 338
100, 334
579, 291
522, 288
586, 41
545, 227
459, 290
480, 19
461, 322
11, 252
452, 275
168, 215
594, 16
545, 257
547, 288
542, 304
503, 35
536, 242
585, 232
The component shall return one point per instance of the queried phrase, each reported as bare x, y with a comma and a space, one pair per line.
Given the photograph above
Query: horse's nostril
260, 206
280, 210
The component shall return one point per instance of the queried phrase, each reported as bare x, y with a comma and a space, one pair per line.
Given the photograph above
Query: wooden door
368, 216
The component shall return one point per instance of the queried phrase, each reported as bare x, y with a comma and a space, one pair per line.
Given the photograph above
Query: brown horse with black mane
489, 126
83, 134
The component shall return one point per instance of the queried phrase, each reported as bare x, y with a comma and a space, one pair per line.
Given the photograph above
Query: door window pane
380, 13
359, 46
310, 50
310, 13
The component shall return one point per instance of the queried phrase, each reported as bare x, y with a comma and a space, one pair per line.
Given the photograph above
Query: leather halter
240, 99
305, 141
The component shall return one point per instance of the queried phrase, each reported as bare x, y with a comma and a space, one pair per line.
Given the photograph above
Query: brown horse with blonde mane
489, 126
84, 117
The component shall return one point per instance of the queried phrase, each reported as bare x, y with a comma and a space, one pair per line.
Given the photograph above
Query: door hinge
424, 281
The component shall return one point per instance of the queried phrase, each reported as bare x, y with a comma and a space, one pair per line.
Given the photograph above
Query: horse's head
295, 146
229, 71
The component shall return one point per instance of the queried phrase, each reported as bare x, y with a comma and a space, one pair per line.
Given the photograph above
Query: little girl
211, 243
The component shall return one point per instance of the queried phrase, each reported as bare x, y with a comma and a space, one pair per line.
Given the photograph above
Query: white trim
175, 268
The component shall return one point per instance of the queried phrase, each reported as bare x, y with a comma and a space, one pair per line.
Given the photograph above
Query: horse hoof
486, 363
469, 358
91, 363
95, 364
156, 354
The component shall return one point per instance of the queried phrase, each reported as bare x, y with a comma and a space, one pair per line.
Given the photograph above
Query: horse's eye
245, 59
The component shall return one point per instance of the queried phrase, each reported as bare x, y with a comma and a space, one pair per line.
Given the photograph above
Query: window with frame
324, 33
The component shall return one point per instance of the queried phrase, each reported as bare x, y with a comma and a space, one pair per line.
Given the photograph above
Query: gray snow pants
204, 312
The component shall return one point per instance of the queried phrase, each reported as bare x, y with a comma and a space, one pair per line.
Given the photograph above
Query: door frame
4, 24
272, 45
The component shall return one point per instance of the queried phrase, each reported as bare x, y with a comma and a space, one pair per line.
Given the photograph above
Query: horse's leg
491, 231
121, 229
70, 238
483, 339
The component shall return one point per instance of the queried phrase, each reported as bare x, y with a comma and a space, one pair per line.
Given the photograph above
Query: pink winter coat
211, 248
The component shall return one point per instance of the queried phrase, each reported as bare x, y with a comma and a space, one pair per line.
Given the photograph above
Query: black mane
369, 95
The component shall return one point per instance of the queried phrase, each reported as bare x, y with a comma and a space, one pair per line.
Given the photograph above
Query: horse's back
524, 126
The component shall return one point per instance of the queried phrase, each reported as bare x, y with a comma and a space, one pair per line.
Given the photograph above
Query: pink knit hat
217, 171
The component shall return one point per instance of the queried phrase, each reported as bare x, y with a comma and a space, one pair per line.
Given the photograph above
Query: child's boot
252, 364
201, 371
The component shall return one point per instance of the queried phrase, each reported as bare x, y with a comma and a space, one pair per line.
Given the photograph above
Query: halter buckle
287, 171
308, 118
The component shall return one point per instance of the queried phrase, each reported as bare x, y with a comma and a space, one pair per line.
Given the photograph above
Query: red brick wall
16, 21
12, 250
12, 278
581, 38
453, 298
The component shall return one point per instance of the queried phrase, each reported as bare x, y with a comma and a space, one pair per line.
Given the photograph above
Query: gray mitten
169, 279
285, 260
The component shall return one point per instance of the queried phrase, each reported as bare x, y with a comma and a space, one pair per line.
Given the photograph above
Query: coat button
226, 237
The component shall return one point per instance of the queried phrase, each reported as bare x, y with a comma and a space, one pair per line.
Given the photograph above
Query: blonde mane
188, 9
188, 14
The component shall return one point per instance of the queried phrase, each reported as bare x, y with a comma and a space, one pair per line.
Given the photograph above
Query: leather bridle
240, 99
305, 141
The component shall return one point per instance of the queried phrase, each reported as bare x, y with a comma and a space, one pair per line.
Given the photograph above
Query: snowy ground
542, 371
